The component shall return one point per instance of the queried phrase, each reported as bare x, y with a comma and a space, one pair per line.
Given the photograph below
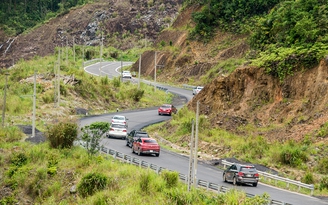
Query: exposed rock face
296, 107
120, 23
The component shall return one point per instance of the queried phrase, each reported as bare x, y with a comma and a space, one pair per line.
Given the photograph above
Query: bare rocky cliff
122, 23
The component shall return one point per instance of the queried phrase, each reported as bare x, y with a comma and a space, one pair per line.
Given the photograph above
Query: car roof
148, 138
117, 125
166, 105
119, 116
244, 165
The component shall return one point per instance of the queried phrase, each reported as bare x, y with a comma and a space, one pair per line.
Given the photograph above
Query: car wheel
157, 155
132, 150
139, 153
159, 113
254, 184
225, 178
234, 182
127, 143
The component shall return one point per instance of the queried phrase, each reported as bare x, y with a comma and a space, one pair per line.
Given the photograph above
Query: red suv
146, 146
167, 109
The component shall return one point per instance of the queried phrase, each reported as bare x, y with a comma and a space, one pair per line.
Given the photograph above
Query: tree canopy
18, 15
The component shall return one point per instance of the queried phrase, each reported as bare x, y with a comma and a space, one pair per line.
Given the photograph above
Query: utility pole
83, 54
155, 71
4, 101
101, 47
58, 81
196, 145
34, 105
74, 48
66, 50
139, 72
121, 68
191, 159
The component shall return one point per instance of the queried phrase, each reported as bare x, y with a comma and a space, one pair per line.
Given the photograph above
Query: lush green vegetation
19, 15
42, 174
95, 94
286, 35
219, 144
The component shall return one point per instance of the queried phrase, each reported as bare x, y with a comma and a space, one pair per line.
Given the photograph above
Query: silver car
120, 119
117, 131
126, 74
197, 89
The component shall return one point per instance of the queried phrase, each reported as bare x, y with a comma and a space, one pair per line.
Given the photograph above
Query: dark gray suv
241, 174
134, 135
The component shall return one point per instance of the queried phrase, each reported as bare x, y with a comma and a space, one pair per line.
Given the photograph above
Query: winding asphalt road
172, 161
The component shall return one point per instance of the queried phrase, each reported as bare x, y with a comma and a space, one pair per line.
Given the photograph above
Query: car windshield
166, 106
142, 135
150, 141
248, 168
118, 118
118, 125
199, 88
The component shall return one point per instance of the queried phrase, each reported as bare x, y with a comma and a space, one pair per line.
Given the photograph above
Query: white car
117, 131
126, 74
120, 119
197, 89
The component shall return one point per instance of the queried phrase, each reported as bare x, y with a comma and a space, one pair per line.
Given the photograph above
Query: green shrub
145, 182
117, 82
323, 131
62, 134
292, 155
136, 94
324, 183
92, 183
18, 159
322, 166
104, 80
308, 178
171, 178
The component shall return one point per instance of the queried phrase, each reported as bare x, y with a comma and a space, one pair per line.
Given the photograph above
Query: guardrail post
207, 185
115, 154
312, 188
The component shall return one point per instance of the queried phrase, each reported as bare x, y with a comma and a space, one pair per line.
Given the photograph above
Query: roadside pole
196, 145
139, 72
155, 71
191, 160
34, 105
4, 101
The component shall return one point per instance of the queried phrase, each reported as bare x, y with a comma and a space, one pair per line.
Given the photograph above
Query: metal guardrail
278, 178
161, 88
190, 87
200, 183
90, 62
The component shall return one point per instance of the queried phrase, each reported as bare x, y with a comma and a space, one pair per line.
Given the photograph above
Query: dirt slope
123, 24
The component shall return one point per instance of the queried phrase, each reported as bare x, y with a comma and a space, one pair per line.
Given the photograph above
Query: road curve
172, 161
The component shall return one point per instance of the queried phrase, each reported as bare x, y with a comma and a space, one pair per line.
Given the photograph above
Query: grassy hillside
39, 174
